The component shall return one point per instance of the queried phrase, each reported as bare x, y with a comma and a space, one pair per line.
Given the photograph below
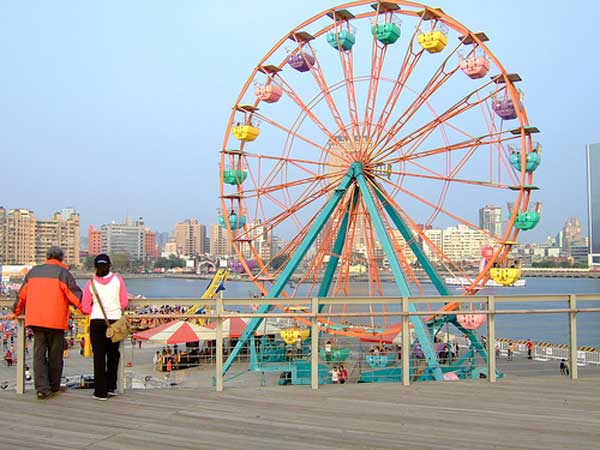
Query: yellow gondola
246, 133
505, 276
433, 41
290, 335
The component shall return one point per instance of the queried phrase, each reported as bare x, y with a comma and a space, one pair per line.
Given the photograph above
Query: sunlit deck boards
524, 413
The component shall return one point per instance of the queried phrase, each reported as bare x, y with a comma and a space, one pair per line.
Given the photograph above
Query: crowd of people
151, 322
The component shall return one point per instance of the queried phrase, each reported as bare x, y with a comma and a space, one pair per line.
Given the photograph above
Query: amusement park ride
420, 111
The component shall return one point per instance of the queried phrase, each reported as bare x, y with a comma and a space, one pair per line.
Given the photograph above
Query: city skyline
138, 123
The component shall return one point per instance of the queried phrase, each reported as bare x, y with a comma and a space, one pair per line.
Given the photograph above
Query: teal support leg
295, 260
472, 336
418, 325
253, 356
414, 246
337, 249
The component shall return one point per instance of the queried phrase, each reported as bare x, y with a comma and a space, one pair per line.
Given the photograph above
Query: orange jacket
47, 291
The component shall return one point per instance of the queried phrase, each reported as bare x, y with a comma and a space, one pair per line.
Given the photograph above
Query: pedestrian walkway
550, 413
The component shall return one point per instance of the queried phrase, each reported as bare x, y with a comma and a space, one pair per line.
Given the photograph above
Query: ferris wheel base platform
394, 374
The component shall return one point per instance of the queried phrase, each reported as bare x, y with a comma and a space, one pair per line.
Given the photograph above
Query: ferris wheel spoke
439, 209
271, 188
290, 92
439, 78
458, 108
410, 61
451, 179
301, 164
378, 53
342, 24
293, 133
319, 77
479, 141
291, 209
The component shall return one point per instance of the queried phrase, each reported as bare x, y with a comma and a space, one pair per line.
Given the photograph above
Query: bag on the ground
118, 330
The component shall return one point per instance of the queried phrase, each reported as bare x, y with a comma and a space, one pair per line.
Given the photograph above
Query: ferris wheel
357, 137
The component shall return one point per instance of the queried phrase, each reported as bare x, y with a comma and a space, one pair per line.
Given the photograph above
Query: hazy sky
118, 108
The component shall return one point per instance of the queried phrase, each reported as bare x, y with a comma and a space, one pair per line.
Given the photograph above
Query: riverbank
527, 273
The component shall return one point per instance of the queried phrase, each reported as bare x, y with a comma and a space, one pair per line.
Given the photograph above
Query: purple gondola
301, 61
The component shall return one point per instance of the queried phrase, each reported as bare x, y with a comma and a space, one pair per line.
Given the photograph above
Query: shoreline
385, 277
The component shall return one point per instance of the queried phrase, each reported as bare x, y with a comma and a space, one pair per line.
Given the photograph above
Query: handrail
313, 303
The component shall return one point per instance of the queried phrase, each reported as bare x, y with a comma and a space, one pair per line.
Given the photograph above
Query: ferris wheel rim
523, 196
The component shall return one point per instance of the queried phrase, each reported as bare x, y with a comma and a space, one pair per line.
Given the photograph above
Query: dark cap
102, 258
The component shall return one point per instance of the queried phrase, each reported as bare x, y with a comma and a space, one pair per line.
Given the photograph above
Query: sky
118, 109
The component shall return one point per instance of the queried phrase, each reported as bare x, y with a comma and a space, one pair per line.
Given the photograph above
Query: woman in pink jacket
111, 289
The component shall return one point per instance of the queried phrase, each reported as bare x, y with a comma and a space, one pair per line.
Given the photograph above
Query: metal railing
221, 309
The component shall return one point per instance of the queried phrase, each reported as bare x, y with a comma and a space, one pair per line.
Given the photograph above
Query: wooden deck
518, 413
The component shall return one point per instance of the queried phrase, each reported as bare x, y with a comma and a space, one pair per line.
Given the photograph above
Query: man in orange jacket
46, 293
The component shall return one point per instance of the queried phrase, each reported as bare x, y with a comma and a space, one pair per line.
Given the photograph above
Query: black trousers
48, 346
106, 358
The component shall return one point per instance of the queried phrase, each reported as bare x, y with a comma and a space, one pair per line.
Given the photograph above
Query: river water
541, 328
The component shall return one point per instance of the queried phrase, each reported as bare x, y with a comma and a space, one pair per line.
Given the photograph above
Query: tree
169, 263
88, 263
120, 262
278, 261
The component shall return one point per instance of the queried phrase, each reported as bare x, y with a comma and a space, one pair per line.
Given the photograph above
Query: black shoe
113, 393
44, 395
60, 389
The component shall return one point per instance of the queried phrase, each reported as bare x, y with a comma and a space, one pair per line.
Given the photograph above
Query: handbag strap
93, 286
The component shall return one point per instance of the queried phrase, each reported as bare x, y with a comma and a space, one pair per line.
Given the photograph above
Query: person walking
46, 294
509, 352
109, 289
563, 367
298, 347
328, 351
529, 346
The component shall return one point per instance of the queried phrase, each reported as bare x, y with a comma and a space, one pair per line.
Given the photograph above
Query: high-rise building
490, 219
190, 237
25, 239
63, 229
460, 243
220, 244
94, 241
262, 241
125, 237
150, 244
593, 182
20, 237
571, 233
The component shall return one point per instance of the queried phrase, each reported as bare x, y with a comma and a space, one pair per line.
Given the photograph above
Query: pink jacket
87, 299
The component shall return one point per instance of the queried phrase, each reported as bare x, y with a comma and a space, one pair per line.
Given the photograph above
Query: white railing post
491, 338
573, 336
20, 356
314, 345
121, 369
219, 336
405, 343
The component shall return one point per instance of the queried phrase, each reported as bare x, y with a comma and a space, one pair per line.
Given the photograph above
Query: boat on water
466, 282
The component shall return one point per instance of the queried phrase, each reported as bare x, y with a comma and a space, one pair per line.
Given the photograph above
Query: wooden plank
301, 36
430, 13
246, 107
512, 77
548, 412
269, 69
468, 38
385, 7
340, 14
